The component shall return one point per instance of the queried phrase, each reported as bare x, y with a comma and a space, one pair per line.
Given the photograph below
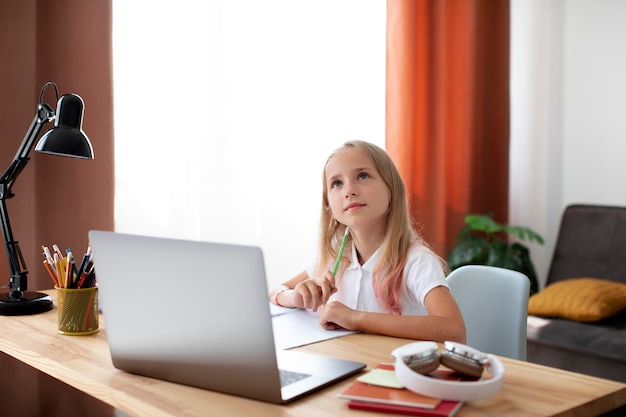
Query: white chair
494, 303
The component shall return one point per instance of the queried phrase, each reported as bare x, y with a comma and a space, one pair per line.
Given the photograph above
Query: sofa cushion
591, 348
579, 299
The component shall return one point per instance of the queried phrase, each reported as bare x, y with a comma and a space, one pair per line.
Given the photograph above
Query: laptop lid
197, 313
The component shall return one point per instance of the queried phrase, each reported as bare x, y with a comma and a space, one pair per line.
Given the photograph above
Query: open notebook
196, 313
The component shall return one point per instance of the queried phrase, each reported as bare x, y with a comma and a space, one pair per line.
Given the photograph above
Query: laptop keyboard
289, 377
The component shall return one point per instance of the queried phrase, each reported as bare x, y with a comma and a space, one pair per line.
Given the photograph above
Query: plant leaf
497, 254
483, 223
473, 251
519, 260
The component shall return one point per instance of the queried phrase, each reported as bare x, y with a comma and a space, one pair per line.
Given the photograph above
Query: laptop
197, 313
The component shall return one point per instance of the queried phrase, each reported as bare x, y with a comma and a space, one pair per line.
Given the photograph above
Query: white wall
594, 127
568, 92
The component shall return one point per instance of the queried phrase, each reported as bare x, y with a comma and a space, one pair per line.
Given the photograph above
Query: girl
388, 281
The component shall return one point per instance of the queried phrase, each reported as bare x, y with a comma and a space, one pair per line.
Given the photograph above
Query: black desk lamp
65, 138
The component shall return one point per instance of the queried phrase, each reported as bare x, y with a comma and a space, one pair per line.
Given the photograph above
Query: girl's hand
336, 315
312, 293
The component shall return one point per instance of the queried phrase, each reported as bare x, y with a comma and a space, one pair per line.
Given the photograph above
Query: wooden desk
84, 362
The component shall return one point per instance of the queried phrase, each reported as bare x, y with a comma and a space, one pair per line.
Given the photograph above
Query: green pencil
340, 254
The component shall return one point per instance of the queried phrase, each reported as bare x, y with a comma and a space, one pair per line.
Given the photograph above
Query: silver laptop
196, 313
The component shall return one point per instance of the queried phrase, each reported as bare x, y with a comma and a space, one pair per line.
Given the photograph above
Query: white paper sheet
296, 327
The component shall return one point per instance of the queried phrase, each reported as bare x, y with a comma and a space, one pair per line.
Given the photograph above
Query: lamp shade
67, 138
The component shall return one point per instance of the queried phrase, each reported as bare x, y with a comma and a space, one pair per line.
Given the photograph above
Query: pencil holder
77, 311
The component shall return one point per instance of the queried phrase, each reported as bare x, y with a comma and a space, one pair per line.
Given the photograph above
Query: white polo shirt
422, 273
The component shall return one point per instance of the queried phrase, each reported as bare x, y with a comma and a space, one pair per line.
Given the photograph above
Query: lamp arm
44, 115
18, 281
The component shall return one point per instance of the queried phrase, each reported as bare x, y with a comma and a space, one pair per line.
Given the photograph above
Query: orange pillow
579, 299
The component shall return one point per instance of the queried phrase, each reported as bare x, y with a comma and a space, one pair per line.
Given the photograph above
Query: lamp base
28, 303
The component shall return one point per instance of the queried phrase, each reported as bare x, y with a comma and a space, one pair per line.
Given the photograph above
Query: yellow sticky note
381, 377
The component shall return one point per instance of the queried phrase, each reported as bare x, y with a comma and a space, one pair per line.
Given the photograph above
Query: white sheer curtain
225, 112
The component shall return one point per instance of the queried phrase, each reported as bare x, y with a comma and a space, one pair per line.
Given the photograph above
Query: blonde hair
400, 234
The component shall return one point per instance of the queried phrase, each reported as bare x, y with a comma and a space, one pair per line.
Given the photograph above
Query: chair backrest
494, 303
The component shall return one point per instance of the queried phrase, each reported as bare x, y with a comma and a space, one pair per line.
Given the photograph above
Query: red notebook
364, 396
444, 409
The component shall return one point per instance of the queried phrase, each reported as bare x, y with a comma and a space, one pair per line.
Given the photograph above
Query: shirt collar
369, 265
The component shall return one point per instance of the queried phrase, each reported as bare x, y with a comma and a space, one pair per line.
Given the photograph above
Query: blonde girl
388, 281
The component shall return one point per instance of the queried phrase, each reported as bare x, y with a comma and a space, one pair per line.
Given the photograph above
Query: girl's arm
279, 294
443, 322
304, 292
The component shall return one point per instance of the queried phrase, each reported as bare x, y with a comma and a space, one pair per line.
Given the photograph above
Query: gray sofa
591, 243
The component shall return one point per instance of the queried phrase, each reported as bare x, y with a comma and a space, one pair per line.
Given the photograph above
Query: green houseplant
483, 241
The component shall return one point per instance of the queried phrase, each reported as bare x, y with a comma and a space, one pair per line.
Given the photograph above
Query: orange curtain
448, 110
